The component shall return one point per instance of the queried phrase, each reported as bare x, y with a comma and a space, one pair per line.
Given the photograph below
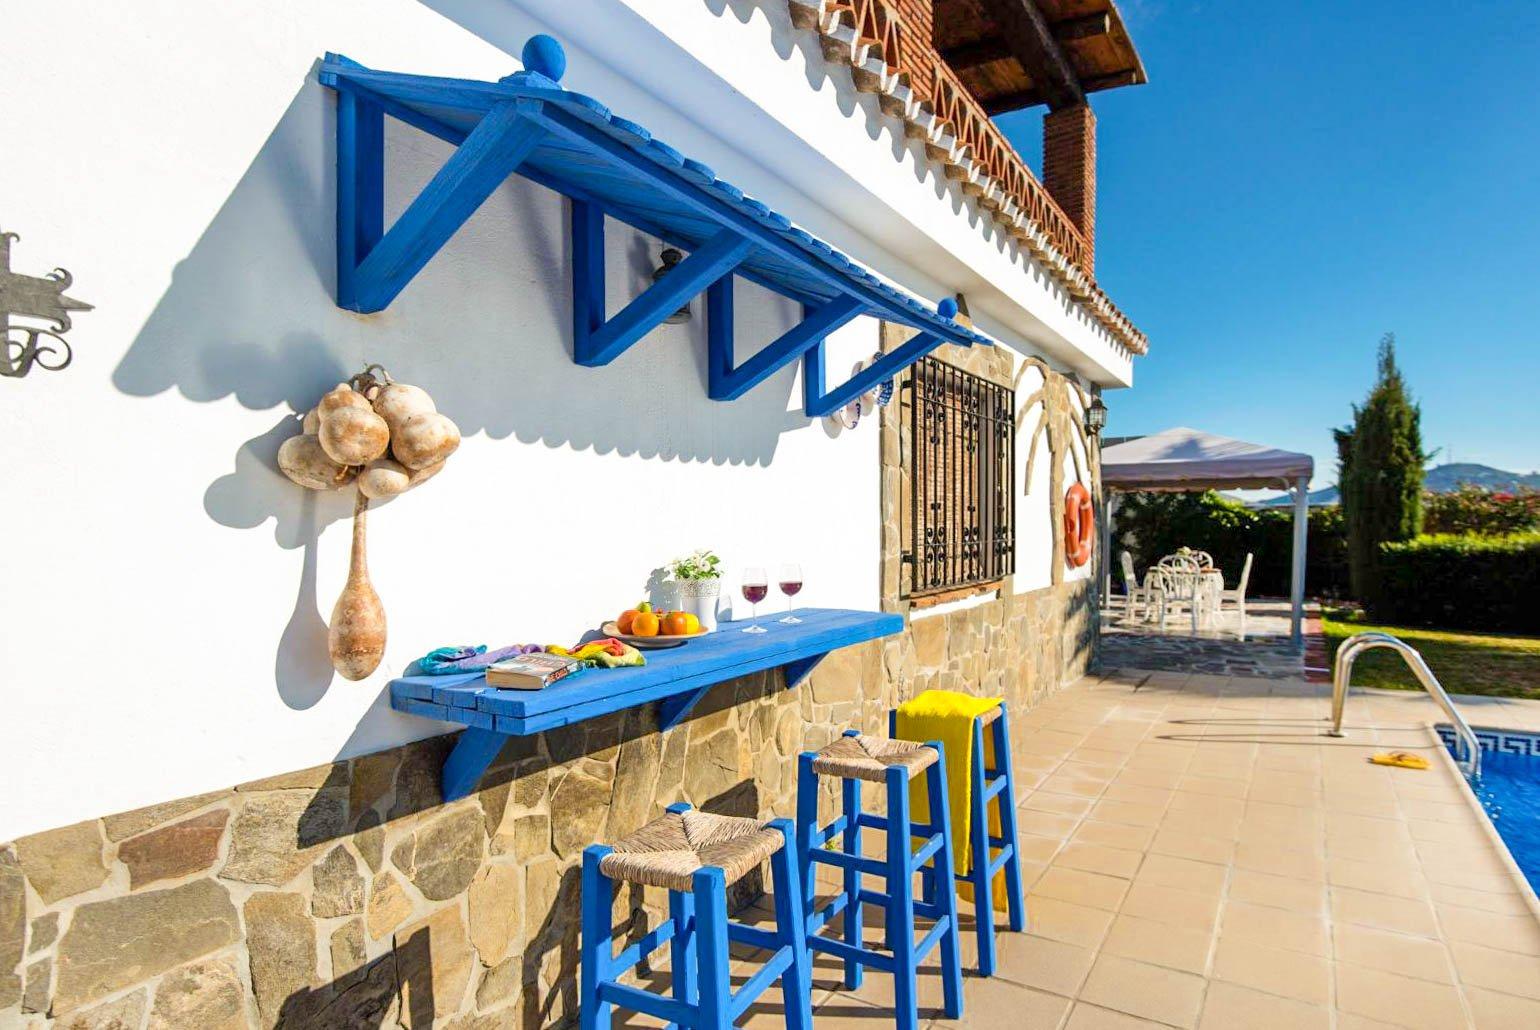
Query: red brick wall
1069, 169
917, 47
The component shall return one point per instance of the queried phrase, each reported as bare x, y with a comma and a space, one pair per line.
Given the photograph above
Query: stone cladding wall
349, 895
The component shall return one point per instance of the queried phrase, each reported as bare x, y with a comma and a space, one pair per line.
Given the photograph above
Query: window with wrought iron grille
958, 508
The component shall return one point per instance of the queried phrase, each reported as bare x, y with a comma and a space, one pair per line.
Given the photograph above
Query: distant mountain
1441, 479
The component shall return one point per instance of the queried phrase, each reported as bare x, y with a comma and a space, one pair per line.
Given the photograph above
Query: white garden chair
1238, 595
1138, 595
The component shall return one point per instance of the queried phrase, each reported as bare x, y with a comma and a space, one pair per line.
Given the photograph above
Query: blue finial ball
544, 55
947, 308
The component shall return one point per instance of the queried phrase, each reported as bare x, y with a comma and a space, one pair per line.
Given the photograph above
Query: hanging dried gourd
387, 438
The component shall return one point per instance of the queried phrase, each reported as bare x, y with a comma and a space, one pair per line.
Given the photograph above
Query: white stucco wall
163, 591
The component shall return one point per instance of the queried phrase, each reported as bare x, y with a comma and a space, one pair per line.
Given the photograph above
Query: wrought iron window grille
960, 437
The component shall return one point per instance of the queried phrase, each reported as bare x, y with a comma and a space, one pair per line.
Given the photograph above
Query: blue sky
1297, 179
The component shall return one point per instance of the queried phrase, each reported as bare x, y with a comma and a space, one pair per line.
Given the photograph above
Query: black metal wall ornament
39, 297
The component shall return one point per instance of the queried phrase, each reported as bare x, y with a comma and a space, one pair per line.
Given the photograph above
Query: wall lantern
672, 257
1095, 416
33, 296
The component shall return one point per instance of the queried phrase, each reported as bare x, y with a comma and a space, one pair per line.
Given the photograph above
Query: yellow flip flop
1400, 759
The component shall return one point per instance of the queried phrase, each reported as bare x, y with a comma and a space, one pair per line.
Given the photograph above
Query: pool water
1509, 790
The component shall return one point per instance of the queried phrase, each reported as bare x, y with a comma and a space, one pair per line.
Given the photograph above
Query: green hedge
1151, 525
1462, 582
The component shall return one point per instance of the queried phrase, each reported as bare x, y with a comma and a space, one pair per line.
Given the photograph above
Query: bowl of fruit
646, 627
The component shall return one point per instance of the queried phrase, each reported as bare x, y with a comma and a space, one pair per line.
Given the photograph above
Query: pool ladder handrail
1342, 673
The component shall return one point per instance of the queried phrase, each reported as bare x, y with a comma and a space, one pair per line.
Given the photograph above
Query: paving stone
338, 886
636, 780
125, 1013
123, 941
578, 811
63, 862
206, 995
369, 839
45, 930
129, 824
388, 906
281, 941
333, 774
433, 965
496, 906
34, 996
279, 833
13, 927
500, 983
372, 778
174, 851
442, 856
348, 950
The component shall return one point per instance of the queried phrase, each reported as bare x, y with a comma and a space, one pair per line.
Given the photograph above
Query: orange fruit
675, 624
626, 618
645, 624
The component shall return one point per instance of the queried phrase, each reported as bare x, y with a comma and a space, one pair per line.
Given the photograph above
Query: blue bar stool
989, 855
694, 856
853, 758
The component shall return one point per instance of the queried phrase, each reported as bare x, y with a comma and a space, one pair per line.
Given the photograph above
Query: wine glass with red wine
756, 585
790, 580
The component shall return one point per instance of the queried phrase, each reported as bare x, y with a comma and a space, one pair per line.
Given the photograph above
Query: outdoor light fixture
1095, 416
38, 297
672, 257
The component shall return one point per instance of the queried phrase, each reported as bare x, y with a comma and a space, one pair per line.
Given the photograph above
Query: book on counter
530, 671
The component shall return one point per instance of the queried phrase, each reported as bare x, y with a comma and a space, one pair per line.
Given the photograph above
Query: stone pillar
1069, 169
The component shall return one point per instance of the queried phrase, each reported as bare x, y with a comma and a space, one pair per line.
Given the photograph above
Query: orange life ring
1079, 526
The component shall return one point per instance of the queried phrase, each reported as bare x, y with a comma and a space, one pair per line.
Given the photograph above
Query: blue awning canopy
609, 166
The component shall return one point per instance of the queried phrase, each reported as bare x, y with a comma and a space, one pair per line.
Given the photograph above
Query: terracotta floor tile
1046, 824
1382, 878
1208, 804
1094, 1017
1093, 890
1293, 863
1038, 849
1066, 921
1399, 953
1172, 905
1275, 927
1497, 970
1494, 1011
1160, 944
1201, 823
1189, 875
1399, 1000
1137, 795
1062, 804
1509, 903
1047, 965
1383, 911
1197, 848
995, 1002
1231, 1007
1113, 835
1277, 891
1094, 858
1140, 989
1127, 813
1290, 974
1518, 933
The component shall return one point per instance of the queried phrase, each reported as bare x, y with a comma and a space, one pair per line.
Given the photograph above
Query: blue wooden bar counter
676, 678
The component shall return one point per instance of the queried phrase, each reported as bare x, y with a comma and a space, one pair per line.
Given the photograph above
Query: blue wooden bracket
672, 710
597, 340
817, 403
476, 749
728, 383
490, 153
797, 671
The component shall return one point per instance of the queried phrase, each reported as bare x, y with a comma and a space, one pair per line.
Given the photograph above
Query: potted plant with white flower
697, 580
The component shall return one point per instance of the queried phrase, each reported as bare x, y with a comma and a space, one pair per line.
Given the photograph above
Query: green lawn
1464, 662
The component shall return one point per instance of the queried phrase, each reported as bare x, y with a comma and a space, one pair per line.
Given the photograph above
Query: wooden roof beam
1031, 42
1082, 28
1004, 102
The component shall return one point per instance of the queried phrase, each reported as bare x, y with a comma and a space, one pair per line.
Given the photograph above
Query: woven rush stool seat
667, 852
863, 757
694, 856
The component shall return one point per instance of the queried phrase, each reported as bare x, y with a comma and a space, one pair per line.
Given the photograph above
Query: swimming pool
1509, 790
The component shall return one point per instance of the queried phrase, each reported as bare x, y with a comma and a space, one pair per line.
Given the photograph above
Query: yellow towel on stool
1400, 759
947, 716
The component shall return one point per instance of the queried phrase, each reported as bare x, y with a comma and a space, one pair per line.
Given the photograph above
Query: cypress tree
1380, 468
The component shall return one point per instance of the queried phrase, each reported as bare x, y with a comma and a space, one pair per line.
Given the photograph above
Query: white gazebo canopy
1183, 459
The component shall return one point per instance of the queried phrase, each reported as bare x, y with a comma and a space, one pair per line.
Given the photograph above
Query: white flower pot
699, 597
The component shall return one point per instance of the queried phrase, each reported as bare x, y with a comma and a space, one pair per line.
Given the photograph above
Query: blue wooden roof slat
456, 104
